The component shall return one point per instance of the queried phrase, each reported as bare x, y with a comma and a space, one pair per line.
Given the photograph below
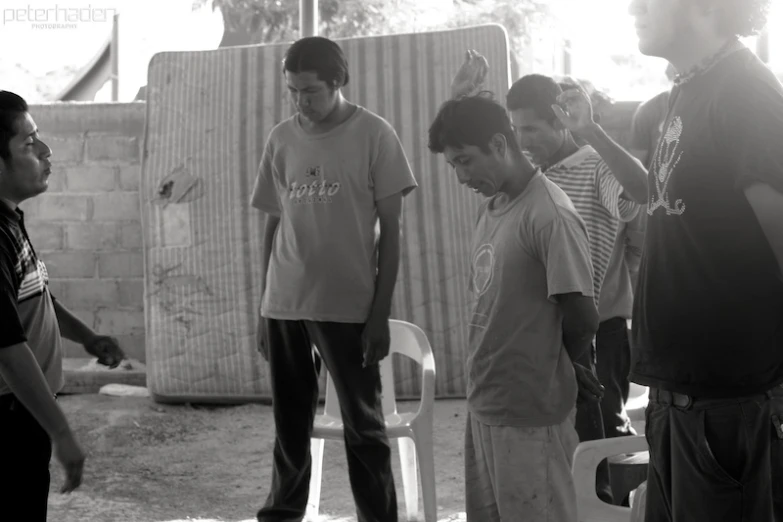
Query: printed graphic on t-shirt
35, 278
667, 157
482, 274
316, 189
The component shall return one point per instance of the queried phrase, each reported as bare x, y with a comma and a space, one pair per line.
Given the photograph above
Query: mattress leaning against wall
208, 115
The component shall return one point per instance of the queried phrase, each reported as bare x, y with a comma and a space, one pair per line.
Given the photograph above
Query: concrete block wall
87, 226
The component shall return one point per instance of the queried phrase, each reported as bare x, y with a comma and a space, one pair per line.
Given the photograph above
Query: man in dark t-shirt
708, 314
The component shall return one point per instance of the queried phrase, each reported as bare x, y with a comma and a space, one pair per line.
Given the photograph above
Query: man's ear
499, 145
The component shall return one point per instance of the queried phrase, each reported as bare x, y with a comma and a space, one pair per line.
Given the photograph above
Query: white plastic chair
413, 430
586, 459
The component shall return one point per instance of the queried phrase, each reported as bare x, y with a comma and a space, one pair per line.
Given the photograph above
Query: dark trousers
590, 426
25, 452
294, 379
776, 451
709, 459
613, 364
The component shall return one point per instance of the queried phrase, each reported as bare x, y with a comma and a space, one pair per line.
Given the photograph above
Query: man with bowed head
328, 176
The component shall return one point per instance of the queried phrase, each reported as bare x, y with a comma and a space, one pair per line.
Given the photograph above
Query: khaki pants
520, 474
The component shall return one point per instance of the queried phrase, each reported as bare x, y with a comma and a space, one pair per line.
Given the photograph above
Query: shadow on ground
161, 463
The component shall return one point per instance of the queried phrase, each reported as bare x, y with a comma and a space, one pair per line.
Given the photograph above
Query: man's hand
106, 349
590, 388
376, 340
71, 456
470, 76
263, 344
574, 110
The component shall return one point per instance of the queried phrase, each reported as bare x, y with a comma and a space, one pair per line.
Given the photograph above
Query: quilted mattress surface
208, 115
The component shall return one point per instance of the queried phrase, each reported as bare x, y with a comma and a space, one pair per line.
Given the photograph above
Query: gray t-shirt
525, 252
324, 187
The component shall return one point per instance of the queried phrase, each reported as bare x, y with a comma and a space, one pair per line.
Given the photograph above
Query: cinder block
133, 345
120, 264
56, 182
120, 321
45, 236
132, 293
119, 149
131, 236
92, 236
117, 206
58, 290
90, 293
130, 177
62, 207
70, 264
91, 178
66, 150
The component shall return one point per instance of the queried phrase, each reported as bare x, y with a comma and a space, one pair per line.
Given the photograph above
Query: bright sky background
597, 29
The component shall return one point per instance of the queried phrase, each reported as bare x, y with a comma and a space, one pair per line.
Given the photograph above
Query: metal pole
308, 18
114, 59
762, 46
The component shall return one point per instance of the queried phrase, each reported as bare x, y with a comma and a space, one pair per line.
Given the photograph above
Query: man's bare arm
580, 323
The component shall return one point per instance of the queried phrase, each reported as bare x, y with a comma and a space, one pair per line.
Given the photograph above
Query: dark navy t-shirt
708, 314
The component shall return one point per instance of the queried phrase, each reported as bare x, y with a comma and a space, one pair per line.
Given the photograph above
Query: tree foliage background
272, 21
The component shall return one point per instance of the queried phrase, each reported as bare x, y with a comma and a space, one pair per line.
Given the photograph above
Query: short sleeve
609, 193
265, 195
11, 329
646, 120
563, 248
749, 117
390, 172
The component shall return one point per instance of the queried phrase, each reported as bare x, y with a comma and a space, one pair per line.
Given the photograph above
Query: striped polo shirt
26, 306
596, 194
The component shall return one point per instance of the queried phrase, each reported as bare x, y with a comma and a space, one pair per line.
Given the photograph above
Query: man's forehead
303, 79
521, 117
25, 125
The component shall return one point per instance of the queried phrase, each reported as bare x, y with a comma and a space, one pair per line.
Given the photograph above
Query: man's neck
568, 148
518, 178
12, 205
341, 112
696, 52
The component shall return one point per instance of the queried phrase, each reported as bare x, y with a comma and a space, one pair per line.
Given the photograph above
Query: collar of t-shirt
500, 203
574, 159
9, 213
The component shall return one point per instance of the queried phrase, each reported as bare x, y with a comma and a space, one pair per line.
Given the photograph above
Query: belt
681, 400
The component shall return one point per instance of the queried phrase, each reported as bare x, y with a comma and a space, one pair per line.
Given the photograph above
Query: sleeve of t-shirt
642, 125
390, 172
609, 193
749, 120
11, 329
265, 196
563, 248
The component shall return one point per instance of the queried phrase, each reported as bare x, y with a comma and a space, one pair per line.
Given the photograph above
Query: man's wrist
592, 133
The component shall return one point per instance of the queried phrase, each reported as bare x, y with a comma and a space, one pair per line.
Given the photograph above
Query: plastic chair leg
426, 458
410, 476
314, 498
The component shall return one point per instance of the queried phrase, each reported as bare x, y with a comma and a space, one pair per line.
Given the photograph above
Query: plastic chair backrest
406, 339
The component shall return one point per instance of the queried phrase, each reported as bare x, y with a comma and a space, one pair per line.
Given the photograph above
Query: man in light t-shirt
534, 315
328, 176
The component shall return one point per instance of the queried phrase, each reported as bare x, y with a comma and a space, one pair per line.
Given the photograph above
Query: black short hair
537, 92
320, 55
471, 120
12, 106
741, 17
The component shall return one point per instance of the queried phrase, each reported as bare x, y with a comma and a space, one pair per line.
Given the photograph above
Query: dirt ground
148, 462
